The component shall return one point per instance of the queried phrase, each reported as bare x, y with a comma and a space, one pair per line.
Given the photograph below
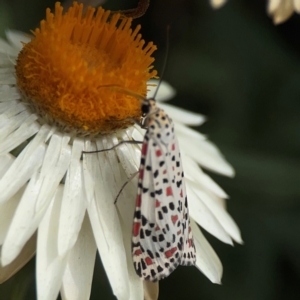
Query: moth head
148, 106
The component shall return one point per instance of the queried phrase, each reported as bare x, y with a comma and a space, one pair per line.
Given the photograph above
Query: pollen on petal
76, 69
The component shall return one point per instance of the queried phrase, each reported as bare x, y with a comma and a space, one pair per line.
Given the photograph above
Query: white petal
129, 156
184, 131
151, 290
24, 132
49, 265
12, 108
297, 5
6, 161
38, 194
283, 11
73, 203
207, 155
24, 222
89, 184
207, 260
110, 169
163, 93
9, 125
55, 164
8, 70
105, 221
125, 206
217, 3
7, 49
5, 61
8, 93
7, 78
137, 133
273, 5
183, 116
133, 285
205, 218
16, 38
112, 254
78, 275
29, 160
218, 211
26, 254
7, 211
195, 174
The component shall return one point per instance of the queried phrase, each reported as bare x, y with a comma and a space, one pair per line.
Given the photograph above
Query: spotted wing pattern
162, 237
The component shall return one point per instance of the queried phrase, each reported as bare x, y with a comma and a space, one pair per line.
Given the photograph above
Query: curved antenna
133, 94
165, 62
134, 13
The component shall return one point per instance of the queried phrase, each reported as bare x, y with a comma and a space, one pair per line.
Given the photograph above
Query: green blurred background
237, 68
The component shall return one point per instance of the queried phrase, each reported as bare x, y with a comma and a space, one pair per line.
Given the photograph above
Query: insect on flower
162, 237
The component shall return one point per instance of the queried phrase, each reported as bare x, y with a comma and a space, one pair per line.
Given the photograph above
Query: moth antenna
164, 63
133, 94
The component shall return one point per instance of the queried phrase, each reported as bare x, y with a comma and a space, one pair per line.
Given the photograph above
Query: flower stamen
71, 55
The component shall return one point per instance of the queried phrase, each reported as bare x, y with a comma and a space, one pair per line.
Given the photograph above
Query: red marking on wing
179, 232
144, 149
141, 174
138, 252
174, 219
173, 168
190, 229
165, 172
181, 193
173, 147
170, 252
158, 153
190, 243
169, 191
138, 201
157, 203
136, 228
148, 261
157, 228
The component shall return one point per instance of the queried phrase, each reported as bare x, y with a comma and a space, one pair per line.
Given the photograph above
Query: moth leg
113, 147
124, 185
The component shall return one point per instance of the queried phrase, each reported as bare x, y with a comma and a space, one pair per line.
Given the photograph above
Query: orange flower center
76, 69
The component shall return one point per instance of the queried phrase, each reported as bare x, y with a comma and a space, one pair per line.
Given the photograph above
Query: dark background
243, 73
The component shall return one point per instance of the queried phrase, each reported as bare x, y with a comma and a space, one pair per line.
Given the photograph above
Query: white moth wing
161, 243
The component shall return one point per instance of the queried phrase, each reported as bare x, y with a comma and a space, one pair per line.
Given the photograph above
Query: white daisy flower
56, 101
281, 10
